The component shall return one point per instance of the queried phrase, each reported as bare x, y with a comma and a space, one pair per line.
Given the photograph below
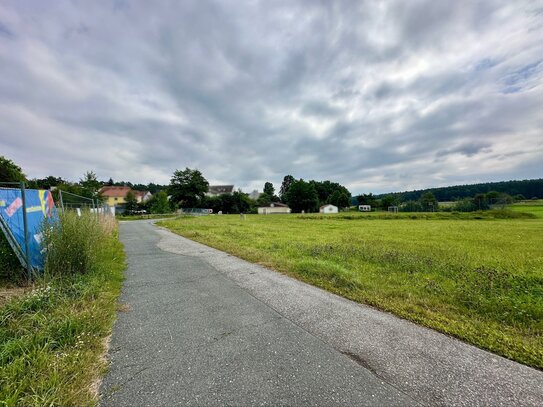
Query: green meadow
475, 276
533, 207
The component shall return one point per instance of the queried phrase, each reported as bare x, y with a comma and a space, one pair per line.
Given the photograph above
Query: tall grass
51, 340
72, 244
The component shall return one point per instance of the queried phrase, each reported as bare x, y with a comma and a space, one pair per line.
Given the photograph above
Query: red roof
114, 192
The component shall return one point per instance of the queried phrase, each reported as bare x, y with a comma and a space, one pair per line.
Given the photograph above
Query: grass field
533, 207
480, 280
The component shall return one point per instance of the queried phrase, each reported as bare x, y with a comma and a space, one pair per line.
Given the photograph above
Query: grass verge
477, 280
149, 216
52, 340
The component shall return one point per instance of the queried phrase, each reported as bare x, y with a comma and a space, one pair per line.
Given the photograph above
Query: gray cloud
396, 96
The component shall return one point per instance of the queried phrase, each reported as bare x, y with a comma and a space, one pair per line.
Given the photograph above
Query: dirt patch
95, 385
124, 307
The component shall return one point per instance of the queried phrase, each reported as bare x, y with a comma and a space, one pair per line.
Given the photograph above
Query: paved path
206, 328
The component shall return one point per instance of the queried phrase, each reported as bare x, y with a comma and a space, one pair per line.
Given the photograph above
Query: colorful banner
39, 206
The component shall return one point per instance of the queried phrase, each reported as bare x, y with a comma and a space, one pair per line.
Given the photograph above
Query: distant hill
529, 188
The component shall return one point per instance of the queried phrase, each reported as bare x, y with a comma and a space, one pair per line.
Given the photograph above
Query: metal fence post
61, 202
25, 224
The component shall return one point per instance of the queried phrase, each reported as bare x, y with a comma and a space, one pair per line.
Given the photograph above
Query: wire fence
69, 201
195, 211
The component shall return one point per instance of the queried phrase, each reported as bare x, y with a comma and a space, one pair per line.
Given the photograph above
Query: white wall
329, 209
269, 210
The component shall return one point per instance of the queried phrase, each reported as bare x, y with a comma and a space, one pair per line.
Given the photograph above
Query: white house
328, 209
364, 208
275, 207
143, 196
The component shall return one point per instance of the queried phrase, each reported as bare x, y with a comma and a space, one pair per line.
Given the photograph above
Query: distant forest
530, 188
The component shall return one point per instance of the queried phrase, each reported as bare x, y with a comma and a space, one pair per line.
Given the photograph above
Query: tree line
428, 202
530, 188
188, 189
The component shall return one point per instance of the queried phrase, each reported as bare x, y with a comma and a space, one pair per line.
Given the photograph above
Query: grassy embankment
52, 339
480, 280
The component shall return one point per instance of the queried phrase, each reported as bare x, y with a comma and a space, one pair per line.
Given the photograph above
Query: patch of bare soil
96, 383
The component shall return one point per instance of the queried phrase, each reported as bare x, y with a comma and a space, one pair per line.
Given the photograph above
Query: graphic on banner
40, 206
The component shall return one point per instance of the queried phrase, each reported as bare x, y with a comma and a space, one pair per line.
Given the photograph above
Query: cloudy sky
377, 95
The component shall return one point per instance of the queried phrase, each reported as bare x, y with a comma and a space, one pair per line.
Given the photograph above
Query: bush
72, 243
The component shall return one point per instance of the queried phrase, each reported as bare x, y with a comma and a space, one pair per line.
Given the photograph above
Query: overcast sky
377, 95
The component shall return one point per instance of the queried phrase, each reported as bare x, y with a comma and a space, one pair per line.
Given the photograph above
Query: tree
242, 202
90, 184
160, 203
45, 183
492, 197
428, 202
10, 172
387, 201
269, 189
367, 199
325, 189
188, 187
412, 206
480, 201
264, 200
288, 180
301, 196
465, 205
110, 182
131, 203
340, 199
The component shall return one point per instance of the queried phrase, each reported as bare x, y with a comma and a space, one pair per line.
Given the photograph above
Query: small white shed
328, 209
364, 208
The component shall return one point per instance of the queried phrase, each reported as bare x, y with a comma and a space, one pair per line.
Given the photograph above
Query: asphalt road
205, 328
